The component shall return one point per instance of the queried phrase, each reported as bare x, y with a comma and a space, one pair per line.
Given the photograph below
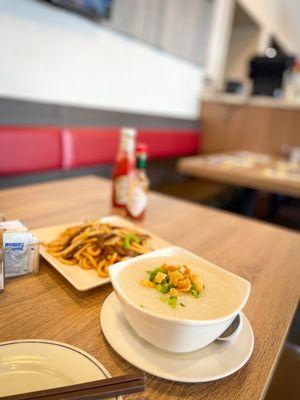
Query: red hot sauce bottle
124, 167
139, 186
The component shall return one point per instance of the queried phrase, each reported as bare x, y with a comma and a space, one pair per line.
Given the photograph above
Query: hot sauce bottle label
121, 189
137, 201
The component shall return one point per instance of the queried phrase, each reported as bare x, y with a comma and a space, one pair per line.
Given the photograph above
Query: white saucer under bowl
215, 361
30, 365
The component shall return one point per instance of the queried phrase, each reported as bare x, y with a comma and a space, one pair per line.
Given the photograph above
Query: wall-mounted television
94, 9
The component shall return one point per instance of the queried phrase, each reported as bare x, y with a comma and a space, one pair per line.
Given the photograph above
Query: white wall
244, 43
278, 17
179, 27
273, 17
52, 55
218, 44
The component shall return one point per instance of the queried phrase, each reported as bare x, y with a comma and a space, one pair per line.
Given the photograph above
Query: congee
173, 288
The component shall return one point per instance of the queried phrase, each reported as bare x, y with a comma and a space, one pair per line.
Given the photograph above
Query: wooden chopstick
100, 389
99, 393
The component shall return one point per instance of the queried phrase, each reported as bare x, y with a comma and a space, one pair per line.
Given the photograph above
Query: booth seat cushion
170, 143
29, 149
89, 146
92, 146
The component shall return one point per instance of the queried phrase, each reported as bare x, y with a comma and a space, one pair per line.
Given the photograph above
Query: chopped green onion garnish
126, 243
165, 288
158, 287
134, 238
172, 301
153, 275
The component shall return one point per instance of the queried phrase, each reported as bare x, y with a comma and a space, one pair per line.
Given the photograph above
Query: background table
252, 178
46, 306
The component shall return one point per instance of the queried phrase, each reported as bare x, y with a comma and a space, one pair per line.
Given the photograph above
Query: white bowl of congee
176, 300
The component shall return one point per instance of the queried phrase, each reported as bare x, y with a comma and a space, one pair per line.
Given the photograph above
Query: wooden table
254, 178
46, 306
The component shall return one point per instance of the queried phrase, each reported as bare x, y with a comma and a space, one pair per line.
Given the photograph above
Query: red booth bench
25, 150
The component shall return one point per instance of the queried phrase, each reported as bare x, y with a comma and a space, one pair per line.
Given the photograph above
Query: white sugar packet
20, 253
14, 225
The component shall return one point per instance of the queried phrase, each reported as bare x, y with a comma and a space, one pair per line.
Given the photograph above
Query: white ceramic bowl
174, 334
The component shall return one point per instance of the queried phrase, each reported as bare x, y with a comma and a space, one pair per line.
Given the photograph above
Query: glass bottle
139, 186
124, 167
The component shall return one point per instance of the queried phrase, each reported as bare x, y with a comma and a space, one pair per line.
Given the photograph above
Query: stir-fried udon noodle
97, 245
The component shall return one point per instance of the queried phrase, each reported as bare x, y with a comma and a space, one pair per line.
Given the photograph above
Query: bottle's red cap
142, 148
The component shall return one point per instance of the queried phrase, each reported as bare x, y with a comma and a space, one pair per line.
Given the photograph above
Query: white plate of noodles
83, 251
